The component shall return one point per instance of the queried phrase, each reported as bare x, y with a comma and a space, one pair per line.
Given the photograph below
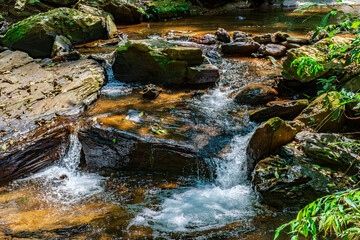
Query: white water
75, 186
208, 206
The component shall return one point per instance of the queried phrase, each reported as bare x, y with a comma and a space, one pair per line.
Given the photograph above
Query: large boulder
34, 97
255, 94
325, 113
123, 11
319, 51
160, 62
35, 35
270, 136
311, 166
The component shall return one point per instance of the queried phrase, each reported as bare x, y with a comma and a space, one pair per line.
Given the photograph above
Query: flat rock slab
34, 96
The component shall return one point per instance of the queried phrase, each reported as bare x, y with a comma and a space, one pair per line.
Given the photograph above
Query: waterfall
64, 182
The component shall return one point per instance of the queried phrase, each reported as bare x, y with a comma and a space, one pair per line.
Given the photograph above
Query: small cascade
64, 182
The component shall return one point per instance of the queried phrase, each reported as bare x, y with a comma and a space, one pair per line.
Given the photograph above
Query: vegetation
335, 216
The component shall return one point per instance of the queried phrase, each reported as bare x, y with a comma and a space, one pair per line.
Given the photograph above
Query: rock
255, 94
320, 52
203, 74
275, 50
308, 168
122, 11
130, 152
298, 40
150, 92
264, 38
36, 34
93, 11
281, 36
320, 113
35, 98
110, 27
239, 36
212, 3
207, 39
286, 110
270, 136
223, 36
240, 48
353, 85
290, 45
162, 10
62, 46
160, 62
62, 3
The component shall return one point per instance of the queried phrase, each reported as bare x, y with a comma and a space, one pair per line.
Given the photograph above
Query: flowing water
65, 201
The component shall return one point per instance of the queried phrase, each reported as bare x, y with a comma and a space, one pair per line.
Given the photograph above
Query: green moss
275, 123
165, 9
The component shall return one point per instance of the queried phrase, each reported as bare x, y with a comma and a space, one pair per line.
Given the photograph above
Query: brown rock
255, 94
275, 50
240, 48
223, 36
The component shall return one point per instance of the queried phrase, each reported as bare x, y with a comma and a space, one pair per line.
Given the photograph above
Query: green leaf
4, 147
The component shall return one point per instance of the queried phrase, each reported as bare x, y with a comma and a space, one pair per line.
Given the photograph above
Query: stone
223, 36
207, 39
281, 35
110, 27
35, 35
298, 40
353, 85
62, 46
286, 110
239, 36
321, 113
122, 11
321, 53
275, 50
63, 3
151, 92
264, 38
160, 62
255, 94
269, 137
36, 96
308, 168
93, 11
290, 45
240, 48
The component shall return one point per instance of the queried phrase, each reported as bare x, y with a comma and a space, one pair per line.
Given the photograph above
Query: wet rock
151, 92
63, 3
35, 98
264, 38
353, 85
275, 50
308, 168
129, 152
281, 36
286, 110
207, 39
298, 40
93, 11
239, 36
62, 46
255, 94
35, 35
223, 36
320, 52
160, 62
203, 74
324, 113
122, 11
111, 28
160, 10
290, 45
270, 136
240, 48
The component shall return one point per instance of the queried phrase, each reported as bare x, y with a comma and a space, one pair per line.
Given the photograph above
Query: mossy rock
167, 9
324, 113
154, 61
60, 2
122, 11
319, 51
35, 35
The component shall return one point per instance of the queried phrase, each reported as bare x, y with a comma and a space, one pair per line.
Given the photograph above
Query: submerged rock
255, 94
286, 110
324, 113
269, 137
311, 166
160, 62
320, 51
34, 97
35, 35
